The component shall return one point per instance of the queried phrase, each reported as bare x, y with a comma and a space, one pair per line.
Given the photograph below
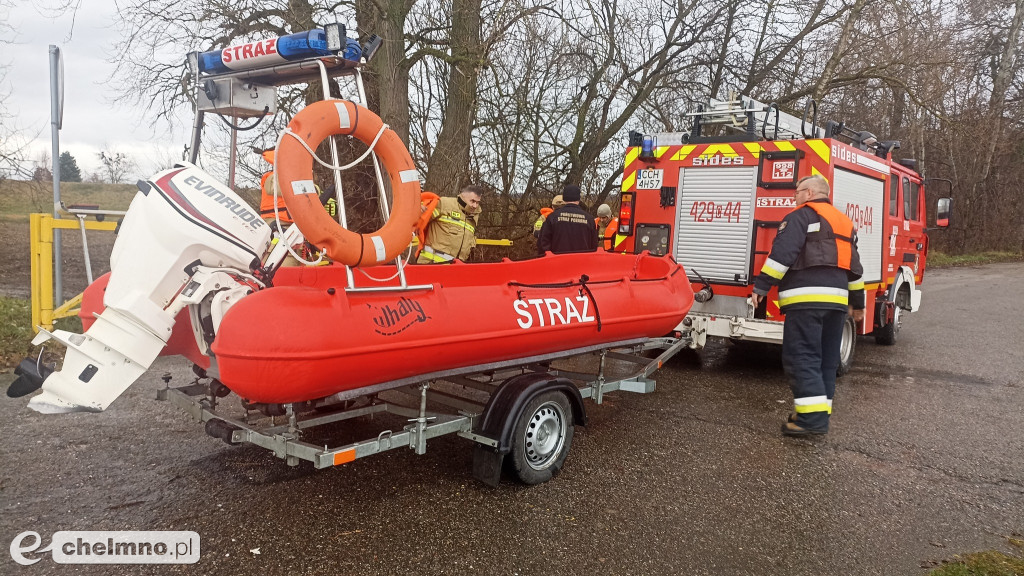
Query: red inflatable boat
192, 260
308, 338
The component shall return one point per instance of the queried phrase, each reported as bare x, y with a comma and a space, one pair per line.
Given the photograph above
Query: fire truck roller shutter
714, 221
862, 198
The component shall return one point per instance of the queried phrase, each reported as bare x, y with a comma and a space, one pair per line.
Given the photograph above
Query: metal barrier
41, 227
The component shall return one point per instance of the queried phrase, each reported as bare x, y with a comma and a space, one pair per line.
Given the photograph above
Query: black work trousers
811, 341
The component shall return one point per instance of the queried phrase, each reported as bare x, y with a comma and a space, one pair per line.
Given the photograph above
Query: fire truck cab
715, 196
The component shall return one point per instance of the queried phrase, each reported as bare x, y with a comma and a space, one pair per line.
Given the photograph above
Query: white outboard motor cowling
179, 220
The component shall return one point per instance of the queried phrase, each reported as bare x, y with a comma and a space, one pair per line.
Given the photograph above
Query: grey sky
91, 119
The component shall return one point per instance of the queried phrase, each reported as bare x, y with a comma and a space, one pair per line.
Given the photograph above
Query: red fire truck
715, 196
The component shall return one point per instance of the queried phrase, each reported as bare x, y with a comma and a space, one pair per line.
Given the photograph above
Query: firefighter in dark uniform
815, 263
568, 229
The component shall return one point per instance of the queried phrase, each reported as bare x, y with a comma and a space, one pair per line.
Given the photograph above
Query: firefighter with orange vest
267, 185
607, 227
814, 262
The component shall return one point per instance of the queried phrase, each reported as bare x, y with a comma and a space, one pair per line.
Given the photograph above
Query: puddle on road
911, 375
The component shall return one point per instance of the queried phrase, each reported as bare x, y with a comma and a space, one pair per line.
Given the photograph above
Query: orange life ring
313, 124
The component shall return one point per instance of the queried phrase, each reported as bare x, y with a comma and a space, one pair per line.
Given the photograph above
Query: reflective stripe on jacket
431, 256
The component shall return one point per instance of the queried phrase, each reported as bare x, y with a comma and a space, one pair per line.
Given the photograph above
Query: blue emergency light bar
278, 50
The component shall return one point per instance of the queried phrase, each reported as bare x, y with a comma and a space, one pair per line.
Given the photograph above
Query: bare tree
116, 165
12, 144
388, 77
450, 160
526, 95
841, 44
42, 167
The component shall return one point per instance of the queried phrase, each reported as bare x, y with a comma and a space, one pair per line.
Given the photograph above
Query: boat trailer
521, 410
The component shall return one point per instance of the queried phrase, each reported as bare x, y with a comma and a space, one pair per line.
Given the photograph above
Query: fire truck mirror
943, 212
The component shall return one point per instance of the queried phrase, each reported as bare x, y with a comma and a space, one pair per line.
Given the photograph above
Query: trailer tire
847, 346
542, 437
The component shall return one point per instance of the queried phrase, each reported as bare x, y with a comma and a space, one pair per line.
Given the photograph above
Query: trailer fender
503, 411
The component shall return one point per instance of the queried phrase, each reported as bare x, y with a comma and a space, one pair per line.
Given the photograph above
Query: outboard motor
184, 235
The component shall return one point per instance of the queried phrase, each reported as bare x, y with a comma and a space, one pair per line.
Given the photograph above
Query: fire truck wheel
542, 438
848, 345
886, 335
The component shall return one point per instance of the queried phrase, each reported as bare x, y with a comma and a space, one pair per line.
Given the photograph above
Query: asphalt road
924, 461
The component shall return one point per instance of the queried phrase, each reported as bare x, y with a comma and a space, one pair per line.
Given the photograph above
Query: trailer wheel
542, 438
847, 346
886, 336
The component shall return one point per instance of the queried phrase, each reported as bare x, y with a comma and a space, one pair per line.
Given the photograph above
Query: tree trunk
1002, 76
1001, 79
723, 53
837, 52
387, 77
899, 107
447, 169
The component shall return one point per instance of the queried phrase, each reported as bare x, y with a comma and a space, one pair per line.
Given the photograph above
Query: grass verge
987, 563
18, 199
16, 330
943, 260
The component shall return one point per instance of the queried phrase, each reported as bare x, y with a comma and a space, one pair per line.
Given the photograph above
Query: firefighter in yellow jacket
556, 203
451, 233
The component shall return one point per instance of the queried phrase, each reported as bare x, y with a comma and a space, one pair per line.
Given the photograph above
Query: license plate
649, 179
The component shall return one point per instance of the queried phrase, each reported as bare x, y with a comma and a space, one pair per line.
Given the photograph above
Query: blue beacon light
299, 46
647, 147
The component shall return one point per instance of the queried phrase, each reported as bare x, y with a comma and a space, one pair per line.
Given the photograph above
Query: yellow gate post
41, 266
41, 228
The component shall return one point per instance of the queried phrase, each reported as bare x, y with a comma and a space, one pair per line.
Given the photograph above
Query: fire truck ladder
768, 122
756, 119
861, 139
